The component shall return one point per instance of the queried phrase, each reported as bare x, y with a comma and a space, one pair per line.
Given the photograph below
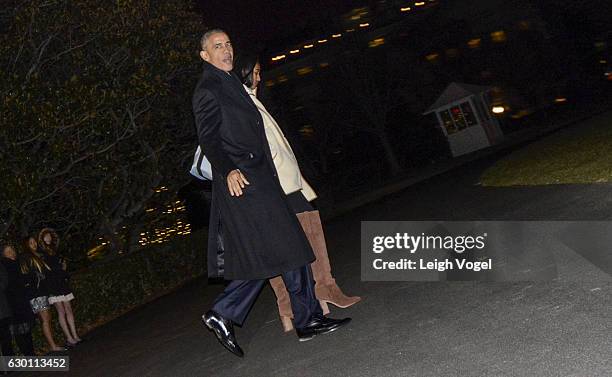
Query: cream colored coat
289, 174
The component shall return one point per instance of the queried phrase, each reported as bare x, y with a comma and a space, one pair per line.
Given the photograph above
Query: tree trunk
390, 155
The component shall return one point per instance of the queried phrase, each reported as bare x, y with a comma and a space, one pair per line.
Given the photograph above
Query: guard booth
464, 114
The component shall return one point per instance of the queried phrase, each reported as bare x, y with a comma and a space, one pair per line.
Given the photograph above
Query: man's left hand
236, 181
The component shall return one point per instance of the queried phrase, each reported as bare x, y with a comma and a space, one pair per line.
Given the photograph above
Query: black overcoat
260, 232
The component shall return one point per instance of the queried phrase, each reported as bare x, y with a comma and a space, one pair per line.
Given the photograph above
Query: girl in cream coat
299, 193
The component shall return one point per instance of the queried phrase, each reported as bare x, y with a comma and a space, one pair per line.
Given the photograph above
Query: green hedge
107, 290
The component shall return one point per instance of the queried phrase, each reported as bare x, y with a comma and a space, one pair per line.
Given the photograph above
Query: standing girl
60, 293
35, 269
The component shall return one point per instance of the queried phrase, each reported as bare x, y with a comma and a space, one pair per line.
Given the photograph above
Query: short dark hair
207, 35
244, 66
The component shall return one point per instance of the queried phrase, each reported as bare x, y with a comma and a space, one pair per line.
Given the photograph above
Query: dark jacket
56, 279
16, 292
35, 276
261, 234
5, 310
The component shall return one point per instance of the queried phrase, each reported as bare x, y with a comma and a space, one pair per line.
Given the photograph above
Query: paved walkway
557, 328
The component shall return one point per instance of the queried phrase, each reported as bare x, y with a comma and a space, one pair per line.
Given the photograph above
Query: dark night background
274, 24
269, 23
97, 139
547, 54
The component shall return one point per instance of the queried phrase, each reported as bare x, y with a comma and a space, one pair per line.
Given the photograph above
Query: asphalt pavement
533, 328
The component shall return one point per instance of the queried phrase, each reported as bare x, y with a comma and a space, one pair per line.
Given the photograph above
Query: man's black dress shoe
320, 325
224, 330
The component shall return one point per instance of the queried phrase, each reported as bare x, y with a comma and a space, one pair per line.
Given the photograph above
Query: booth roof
454, 92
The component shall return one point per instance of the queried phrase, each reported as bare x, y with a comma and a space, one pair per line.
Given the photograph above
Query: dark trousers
6, 339
24, 343
239, 296
23, 339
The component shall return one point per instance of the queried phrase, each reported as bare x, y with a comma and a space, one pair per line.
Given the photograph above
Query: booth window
468, 114
458, 117
448, 122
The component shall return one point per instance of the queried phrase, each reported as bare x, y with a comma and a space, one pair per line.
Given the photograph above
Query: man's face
219, 52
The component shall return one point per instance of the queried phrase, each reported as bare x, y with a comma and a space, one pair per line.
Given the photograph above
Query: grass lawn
581, 153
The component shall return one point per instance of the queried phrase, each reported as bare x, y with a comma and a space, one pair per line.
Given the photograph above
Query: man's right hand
236, 182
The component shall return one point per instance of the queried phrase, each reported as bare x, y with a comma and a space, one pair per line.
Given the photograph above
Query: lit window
447, 122
376, 42
458, 117
600, 46
498, 36
468, 114
304, 71
432, 57
307, 131
474, 43
524, 25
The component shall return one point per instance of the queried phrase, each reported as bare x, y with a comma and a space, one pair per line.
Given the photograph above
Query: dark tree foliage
95, 113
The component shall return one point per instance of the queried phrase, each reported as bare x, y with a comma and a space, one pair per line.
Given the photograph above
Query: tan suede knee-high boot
283, 301
326, 289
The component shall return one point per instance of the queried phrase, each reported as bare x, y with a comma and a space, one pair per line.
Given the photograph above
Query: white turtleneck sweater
289, 174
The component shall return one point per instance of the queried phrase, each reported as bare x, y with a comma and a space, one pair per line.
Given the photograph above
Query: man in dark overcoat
261, 234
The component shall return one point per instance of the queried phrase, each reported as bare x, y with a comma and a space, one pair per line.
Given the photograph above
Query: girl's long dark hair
29, 260
244, 66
